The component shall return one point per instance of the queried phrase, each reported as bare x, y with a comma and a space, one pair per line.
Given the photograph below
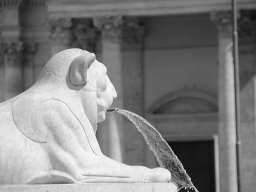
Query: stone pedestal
92, 187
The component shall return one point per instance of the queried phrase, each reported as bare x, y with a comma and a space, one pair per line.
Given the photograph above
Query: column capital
108, 22
133, 33
83, 34
111, 27
60, 30
129, 31
223, 21
11, 50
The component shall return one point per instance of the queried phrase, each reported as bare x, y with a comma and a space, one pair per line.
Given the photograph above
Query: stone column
111, 131
132, 60
227, 125
60, 34
29, 50
83, 34
13, 69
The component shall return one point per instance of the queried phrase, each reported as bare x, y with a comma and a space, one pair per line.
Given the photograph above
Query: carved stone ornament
11, 50
60, 30
133, 33
223, 21
111, 27
47, 133
128, 31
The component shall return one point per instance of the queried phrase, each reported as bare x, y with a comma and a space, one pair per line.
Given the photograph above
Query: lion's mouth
102, 106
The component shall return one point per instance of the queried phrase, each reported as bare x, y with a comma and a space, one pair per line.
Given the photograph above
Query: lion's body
47, 133
19, 156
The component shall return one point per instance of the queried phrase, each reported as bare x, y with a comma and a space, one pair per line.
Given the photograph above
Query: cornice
22, 3
88, 8
33, 3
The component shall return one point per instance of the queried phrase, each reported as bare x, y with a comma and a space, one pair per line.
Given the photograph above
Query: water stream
162, 151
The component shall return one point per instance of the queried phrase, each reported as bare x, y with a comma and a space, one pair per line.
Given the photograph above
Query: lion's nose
112, 88
114, 92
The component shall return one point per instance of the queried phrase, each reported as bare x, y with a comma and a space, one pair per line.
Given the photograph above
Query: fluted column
60, 34
13, 69
227, 125
111, 131
83, 34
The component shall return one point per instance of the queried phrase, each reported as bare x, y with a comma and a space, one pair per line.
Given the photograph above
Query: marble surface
47, 133
90, 187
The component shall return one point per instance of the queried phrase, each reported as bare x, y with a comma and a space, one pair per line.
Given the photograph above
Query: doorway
197, 158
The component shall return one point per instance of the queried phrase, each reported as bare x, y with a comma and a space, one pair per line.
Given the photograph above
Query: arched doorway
188, 121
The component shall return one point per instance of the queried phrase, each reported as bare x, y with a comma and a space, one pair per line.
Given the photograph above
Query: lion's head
77, 70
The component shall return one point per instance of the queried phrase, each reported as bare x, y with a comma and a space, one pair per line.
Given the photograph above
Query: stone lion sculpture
47, 133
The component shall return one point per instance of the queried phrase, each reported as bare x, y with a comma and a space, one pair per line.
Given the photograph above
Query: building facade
170, 61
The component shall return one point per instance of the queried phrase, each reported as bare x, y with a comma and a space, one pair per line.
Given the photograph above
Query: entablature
92, 8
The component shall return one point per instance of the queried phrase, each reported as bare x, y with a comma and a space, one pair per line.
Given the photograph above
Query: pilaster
227, 125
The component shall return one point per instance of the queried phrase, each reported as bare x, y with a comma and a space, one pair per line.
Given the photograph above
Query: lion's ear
79, 67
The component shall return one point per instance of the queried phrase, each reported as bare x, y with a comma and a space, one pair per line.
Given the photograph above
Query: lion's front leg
67, 145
